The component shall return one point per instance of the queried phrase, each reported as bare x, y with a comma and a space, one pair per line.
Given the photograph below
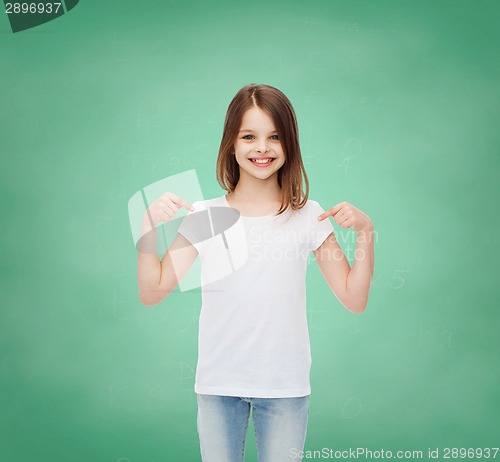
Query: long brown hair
274, 103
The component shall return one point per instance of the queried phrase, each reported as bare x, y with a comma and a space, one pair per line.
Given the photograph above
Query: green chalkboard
397, 104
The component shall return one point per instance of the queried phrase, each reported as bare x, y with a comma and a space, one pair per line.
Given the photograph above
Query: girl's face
257, 147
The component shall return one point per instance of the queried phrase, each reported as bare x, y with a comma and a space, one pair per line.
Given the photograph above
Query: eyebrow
247, 130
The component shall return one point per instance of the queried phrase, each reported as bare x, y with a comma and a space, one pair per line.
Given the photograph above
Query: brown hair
278, 107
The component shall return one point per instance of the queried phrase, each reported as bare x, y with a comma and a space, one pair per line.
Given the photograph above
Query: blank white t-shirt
253, 336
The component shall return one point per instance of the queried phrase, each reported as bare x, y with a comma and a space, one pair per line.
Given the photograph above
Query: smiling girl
254, 350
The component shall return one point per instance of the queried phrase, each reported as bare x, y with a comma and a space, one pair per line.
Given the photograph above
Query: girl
254, 350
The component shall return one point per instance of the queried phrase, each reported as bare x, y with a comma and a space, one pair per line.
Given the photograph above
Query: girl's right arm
157, 279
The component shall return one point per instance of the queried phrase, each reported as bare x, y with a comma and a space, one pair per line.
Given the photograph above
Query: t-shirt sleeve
190, 228
318, 230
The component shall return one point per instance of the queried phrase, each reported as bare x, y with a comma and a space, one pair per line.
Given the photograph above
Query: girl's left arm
350, 285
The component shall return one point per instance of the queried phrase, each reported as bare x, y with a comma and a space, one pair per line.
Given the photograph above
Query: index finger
177, 200
331, 211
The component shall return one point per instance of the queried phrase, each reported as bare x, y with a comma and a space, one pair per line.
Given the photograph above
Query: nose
262, 147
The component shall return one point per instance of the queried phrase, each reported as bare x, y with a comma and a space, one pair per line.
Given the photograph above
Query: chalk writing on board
193, 319
351, 149
186, 371
113, 394
397, 280
351, 407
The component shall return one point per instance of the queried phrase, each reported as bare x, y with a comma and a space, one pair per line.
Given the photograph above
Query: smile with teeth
266, 160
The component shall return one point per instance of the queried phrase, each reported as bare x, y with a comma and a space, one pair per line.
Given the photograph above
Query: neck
250, 189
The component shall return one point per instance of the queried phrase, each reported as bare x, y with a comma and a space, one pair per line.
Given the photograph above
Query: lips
262, 161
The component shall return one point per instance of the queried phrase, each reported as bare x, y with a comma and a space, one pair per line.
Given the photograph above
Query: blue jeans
280, 427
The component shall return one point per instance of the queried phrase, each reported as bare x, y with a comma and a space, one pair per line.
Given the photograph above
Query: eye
274, 137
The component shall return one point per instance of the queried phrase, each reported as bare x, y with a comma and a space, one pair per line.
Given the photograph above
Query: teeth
259, 161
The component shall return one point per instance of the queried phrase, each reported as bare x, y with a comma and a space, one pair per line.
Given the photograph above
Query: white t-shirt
253, 335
